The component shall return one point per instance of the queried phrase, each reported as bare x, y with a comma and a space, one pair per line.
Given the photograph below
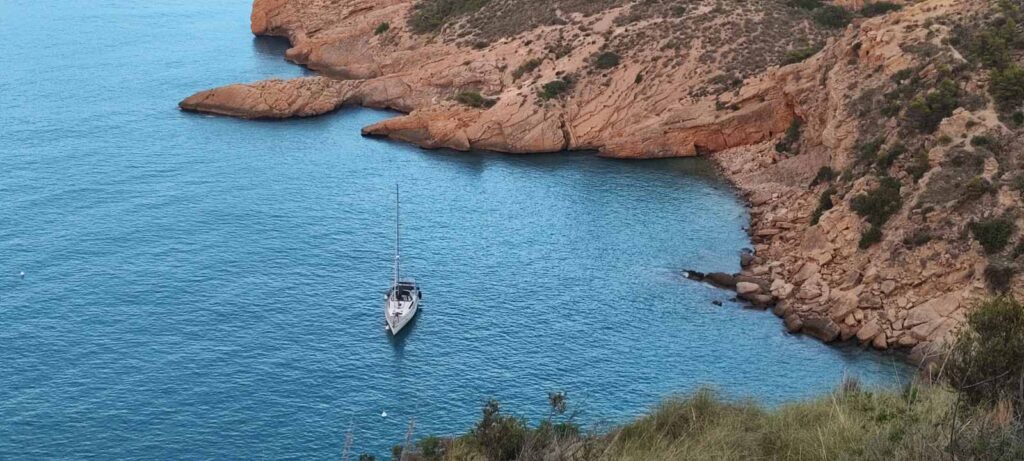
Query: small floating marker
21, 274
383, 414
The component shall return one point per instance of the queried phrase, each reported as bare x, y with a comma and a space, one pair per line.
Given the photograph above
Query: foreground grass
920, 422
848, 424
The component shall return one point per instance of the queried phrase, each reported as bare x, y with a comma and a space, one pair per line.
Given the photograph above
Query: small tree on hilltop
499, 437
986, 364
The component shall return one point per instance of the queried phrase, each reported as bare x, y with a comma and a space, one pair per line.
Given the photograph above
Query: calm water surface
202, 287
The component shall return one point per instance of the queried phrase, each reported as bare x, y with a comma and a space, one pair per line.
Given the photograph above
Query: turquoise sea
207, 288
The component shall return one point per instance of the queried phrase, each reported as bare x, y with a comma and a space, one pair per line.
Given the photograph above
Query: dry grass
849, 424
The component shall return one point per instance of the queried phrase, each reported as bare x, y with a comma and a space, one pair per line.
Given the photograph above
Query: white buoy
383, 414
21, 274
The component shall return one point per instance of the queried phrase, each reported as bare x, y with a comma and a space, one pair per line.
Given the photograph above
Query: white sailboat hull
400, 306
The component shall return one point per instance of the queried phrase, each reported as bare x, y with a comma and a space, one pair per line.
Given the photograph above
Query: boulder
869, 301
759, 198
822, 328
747, 289
761, 283
808, 291
793, 323
932, 309
746, 257
906, 340
924, 331
762, 301
846, 332
807, 270
783, 291
869, 331
721, 279
880, 342
843, 304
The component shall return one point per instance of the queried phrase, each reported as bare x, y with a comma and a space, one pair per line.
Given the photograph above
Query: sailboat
402, 300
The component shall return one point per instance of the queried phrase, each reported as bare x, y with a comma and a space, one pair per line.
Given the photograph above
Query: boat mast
398, 237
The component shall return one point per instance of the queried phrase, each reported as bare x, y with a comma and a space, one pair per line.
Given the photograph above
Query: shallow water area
204, 287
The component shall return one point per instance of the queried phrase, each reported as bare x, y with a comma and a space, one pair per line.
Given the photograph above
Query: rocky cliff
877, 157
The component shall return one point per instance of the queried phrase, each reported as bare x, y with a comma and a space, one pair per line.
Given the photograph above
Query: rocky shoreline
790, 137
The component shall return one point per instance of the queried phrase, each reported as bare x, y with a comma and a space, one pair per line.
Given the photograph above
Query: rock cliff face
660, 99
806, 141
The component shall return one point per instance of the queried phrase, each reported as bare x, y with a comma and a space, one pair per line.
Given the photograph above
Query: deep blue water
203, 287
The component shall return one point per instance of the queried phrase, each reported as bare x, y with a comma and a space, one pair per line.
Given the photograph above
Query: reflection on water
265, 48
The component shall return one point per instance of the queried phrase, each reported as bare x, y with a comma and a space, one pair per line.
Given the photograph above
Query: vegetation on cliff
933, 169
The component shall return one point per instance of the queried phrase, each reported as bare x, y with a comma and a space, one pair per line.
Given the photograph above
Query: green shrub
891, 109
999, 276
832, 16
526, 67
791, 137
1018, 250
432, 15
639, 78
383, 27
474, 99
918, 238
868, 150
879, 204
431, 448
553, 89
919, 165
606, 60
1017, 118
800, 54
1007, 88
878, 8
986, 363
870, 236
677, 10
805, 4
993, 234
977, 187
824, 204
990, 48
886, 159
982, 141
500, 437
825, 174
926, 112
902, 75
